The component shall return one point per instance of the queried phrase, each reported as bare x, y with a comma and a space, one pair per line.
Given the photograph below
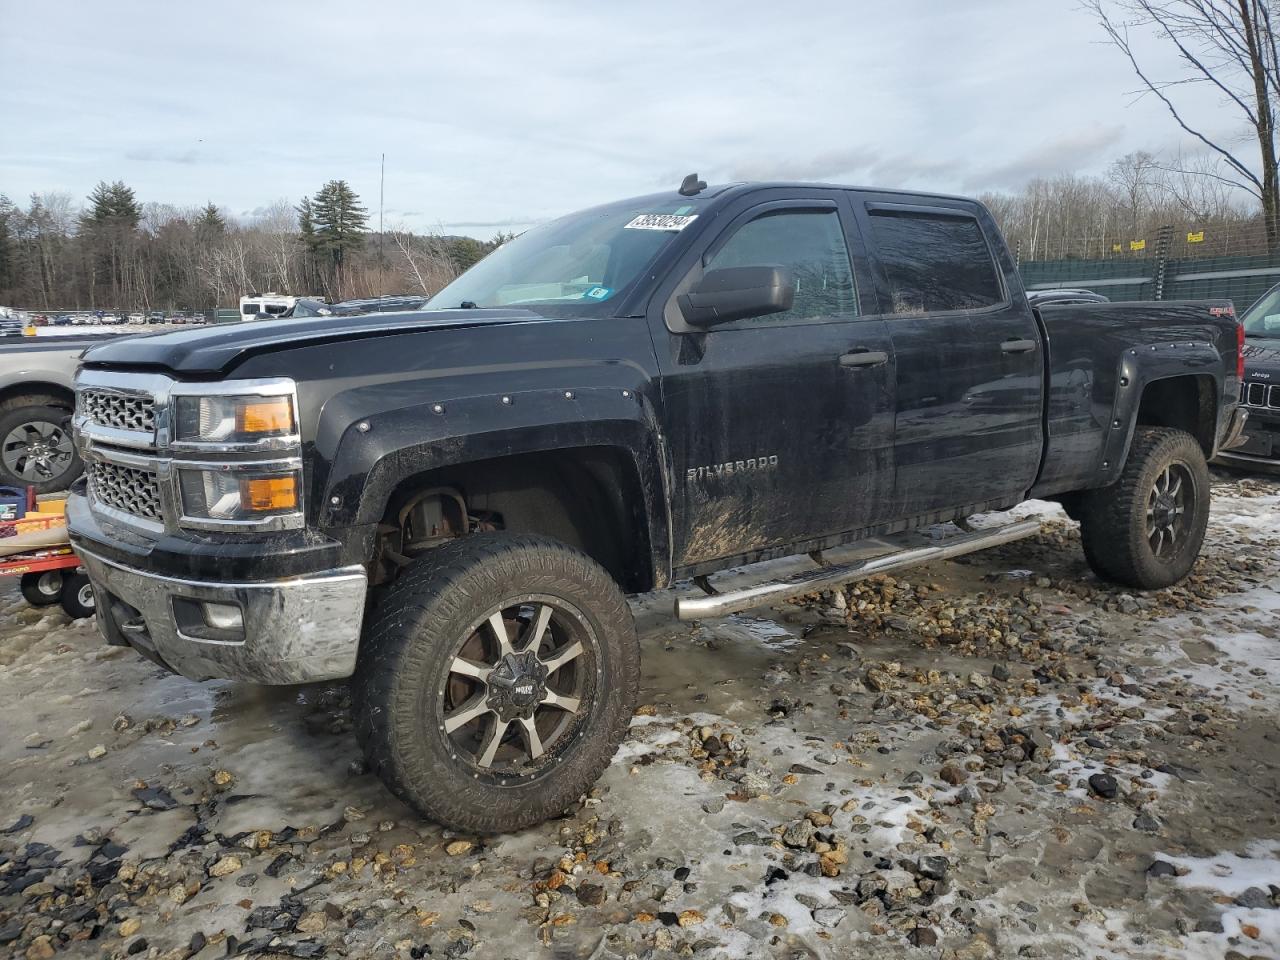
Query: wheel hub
517, 685
1169, 513
1164, 510
37, 451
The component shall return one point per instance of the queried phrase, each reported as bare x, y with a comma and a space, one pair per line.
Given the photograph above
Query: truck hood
216, 349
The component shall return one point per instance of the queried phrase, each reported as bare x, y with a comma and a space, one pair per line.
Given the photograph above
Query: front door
969, 368
780, 427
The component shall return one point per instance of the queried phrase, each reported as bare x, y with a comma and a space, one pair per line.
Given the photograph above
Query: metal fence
1229, 262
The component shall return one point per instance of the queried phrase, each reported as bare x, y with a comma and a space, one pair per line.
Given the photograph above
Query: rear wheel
77, 596
1146, 529
42, 589
496, 681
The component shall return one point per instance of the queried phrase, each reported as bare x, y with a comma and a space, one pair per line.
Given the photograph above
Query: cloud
482, 120
188, 157
1069, 151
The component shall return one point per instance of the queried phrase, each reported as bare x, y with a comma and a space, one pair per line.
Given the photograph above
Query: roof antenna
692, 186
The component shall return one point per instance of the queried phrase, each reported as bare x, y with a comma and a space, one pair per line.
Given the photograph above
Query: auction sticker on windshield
661, 221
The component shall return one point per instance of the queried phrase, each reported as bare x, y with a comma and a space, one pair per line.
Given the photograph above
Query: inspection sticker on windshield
661, 221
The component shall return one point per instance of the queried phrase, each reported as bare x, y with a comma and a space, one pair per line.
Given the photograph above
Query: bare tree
427, 259
1228, 46
276, 235
1189, 183
1133, 176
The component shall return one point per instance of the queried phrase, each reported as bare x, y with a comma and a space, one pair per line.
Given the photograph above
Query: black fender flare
376, 453
1139, 368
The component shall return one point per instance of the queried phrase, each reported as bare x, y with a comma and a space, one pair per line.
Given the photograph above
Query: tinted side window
934, 262
810, 245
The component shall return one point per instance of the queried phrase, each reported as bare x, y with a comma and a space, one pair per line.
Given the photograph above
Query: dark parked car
450, 505
1260, 391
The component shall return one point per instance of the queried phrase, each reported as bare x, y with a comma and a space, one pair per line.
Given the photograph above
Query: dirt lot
994, 757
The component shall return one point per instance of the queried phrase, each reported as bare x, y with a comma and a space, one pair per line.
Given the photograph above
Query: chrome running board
723, 604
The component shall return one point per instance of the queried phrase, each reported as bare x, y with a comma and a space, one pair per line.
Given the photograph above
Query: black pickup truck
450, 505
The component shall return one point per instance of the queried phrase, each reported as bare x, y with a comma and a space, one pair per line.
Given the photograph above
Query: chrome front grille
119, 411
135, 461
127, 489
1260, 395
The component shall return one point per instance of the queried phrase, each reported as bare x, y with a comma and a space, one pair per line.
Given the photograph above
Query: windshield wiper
468, 305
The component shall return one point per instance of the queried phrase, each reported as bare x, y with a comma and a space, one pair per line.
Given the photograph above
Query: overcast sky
494, 114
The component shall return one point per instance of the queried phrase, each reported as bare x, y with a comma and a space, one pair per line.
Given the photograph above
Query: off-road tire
1113, 519
77, 596
404, 659
43, 588
13, 416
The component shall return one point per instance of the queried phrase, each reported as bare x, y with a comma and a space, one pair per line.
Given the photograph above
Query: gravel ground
997, 756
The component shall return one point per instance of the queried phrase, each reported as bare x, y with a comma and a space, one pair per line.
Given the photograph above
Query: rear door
780, 427
969, 371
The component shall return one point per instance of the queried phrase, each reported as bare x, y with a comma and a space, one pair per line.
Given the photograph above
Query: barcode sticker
660, 221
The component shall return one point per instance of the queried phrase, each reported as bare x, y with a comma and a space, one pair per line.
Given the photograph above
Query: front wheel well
589, 498
36, 394
1187, 403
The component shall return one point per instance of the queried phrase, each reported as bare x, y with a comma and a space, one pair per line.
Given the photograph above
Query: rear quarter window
934, 262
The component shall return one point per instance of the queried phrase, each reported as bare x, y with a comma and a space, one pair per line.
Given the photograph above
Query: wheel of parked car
496, 681
1145, 530
43, 588
77, 596
36, 448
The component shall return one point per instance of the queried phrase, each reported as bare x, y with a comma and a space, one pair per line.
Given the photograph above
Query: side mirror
735, 293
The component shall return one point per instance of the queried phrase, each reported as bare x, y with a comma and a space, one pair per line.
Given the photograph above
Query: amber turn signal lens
273, 415
268, 494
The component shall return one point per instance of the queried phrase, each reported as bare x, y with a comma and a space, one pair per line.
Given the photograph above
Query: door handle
1018, 346
863, 358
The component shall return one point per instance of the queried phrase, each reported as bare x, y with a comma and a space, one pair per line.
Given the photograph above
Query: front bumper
1258, 450
295, 630
1233, 435
1244, 461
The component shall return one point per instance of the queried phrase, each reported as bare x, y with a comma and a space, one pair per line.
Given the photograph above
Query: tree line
118, 252
1124, 211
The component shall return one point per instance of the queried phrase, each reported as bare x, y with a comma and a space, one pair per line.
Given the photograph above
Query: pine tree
210, 223
113, 205
338, 222
110, 229
8, 243
310, 246
307, 225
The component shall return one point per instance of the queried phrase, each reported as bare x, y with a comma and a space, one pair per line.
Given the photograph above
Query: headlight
234, 419
239, 495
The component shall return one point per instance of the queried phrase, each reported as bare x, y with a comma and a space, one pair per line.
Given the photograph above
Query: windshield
584, 259
1263, 318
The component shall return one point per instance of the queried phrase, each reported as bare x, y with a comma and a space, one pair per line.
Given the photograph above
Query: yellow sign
1137, 244
1116, 248
1196, 237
